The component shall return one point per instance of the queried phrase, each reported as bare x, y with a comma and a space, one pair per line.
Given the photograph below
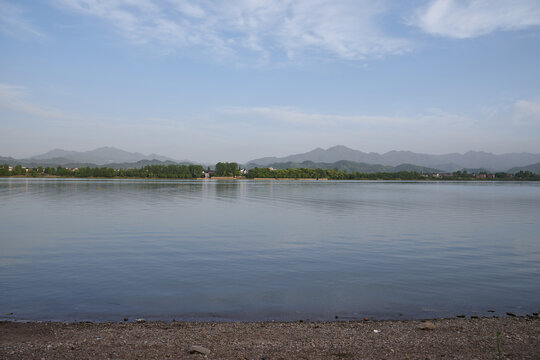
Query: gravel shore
484, 338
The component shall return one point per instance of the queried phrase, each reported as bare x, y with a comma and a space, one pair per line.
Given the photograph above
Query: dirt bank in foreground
519, 338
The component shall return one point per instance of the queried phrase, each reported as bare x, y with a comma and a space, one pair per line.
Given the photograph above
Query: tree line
149, 171
334, 174
232, 169
330, 174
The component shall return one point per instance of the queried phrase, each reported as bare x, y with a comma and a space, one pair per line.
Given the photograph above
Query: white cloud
14, 22
345, 29
15, 98
527, 112
471, 18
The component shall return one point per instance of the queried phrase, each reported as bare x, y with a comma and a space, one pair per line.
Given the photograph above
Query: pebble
535, 313
428, 325
199, 349
460, 316
366, 319
511, 314
126, 319
492, 311
474, 317
141, 320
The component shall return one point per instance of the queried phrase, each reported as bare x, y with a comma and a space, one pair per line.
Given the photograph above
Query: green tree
4, 170
18, 170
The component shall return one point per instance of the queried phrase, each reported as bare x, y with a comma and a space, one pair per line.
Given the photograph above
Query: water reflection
252, 250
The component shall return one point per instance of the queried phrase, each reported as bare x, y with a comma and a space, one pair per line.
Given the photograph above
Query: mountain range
340, 157
446, 162
99, 156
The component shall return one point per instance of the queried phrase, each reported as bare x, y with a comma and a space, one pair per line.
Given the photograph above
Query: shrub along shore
232, 171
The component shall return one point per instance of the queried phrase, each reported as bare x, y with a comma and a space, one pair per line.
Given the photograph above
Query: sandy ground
484, 338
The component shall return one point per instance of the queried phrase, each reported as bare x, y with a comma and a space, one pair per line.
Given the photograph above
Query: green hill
349, 167
534, 168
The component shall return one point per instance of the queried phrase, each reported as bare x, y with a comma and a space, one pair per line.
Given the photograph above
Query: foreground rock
199, 350
428, 325
449, 339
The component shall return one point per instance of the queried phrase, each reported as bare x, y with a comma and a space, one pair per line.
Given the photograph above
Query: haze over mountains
339, 156
104, 156
446, 162
99, 156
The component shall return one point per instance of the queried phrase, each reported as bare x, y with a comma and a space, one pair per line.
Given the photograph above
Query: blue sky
236, 80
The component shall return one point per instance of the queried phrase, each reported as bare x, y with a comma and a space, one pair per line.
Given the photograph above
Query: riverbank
484, 338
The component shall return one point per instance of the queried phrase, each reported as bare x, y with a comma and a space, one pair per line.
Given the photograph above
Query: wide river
103, 250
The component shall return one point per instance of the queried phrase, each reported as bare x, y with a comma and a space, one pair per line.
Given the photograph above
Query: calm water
258, 250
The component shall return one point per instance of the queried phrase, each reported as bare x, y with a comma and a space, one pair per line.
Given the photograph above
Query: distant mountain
447, 162
534, 168
53, 162
349, 166
100, 156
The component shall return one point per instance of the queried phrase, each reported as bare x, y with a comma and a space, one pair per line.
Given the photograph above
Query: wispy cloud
15, 98
527, 112
260, 115
288, 29
13, 21
472, 18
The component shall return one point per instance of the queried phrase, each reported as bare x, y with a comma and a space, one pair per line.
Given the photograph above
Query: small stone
535, 313
376, 331
474, 317
126, 319
428, 325
492, 311
460, 316
336, 317
511, 314
301, 321
366, 319
199, 349
141, 321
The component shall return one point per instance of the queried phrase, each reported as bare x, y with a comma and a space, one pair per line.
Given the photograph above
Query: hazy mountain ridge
104, 156
99, 156
535, 168
30, 163
446, 162
340, 157
53, 162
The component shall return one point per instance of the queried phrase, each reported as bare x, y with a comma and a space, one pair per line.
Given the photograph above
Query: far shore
482, 338
441, 180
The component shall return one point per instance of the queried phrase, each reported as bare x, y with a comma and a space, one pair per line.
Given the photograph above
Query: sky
236, 80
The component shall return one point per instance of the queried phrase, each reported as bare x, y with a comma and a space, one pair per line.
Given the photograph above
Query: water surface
259, 250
